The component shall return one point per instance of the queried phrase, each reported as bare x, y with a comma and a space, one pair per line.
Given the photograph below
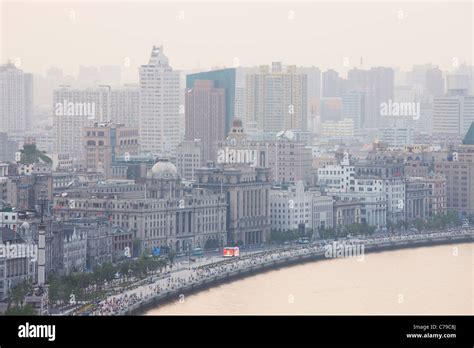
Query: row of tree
16, 299
433, 223
83, 285
280, 237
344, 231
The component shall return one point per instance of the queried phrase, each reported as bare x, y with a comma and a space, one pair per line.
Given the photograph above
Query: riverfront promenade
186, 278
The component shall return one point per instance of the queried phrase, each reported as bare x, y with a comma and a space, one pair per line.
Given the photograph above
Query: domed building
163, 180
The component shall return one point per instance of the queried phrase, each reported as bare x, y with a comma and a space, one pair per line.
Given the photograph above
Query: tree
211, 244
391, 226
471, 218
30, 155
54, 288
171, 256
25, 310
124, 268
327, 233
108, 271
18, 293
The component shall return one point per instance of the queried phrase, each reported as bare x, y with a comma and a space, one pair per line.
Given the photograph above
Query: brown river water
428, 280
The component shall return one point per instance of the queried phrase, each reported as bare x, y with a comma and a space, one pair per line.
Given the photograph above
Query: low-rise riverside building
160, 215
247, 190
294, 207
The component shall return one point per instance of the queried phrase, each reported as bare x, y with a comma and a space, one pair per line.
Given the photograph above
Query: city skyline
152, 150
303, 34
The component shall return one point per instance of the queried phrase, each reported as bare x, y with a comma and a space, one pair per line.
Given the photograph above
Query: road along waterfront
217, 270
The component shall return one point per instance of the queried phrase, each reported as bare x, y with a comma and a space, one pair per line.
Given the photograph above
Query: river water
431, 280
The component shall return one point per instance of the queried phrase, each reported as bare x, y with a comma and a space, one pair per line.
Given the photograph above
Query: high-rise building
239, 108
381, 90
104, 142
205, 115
418, 75
8, 147
159, 105
313, 87
458, 168
457, 85
16, 99
124, 106
378, 86
435, 82
224, 79
453, 114
353, 107
331, 84
330, 109
74, 109
276, 99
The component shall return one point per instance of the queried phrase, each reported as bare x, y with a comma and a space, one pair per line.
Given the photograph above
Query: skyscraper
378, 85
159, 105
435, 82
457, 84
353, 107
313, 85
224, 79
76, 108
458, 169
205, 115
276, 99
124, 106
453, 114
16, 99
331, 84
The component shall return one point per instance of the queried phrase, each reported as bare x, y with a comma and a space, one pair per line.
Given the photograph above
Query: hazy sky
206, 34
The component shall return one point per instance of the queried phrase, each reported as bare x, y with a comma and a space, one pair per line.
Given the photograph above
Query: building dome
163, 169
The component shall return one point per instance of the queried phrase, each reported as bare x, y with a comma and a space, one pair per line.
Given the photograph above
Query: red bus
231, 252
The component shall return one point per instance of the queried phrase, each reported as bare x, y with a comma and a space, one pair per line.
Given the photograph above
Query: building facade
205, 116
159, 105
276, 99
163, 215
16, 99
105, 142
247, 190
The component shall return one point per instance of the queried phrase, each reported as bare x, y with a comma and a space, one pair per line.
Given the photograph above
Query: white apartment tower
159, 105
453, 114
74, 109
16, 99
276, 99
